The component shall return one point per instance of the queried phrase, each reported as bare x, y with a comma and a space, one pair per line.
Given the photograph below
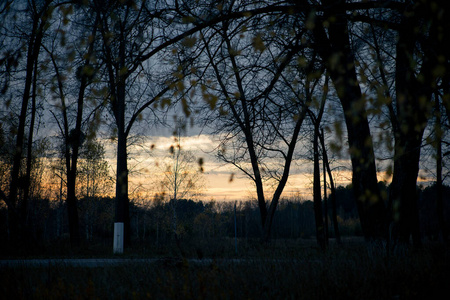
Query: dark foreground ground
278, 270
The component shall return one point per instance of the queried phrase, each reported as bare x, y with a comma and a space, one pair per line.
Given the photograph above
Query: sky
146, 156
147, 152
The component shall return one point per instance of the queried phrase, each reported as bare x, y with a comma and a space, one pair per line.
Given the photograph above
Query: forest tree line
151, 219
275, 80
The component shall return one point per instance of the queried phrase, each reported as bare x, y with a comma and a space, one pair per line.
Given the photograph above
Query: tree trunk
122, 214
287, 165
34, 46
412, 107
26, 188
403, 195
72, 210
325, 200
73, 142
338, 55
333, 190
320, 232
439, 187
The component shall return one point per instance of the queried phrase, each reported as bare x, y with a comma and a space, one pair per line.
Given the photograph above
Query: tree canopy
265, 75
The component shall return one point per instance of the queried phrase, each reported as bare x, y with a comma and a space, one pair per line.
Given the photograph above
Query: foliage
94, 177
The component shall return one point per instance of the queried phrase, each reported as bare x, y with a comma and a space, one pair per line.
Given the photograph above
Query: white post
235, 228
118, 238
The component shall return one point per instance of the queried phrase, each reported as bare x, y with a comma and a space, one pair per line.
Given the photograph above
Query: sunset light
222, 149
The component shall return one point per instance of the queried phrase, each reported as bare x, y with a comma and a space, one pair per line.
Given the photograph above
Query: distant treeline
151, 221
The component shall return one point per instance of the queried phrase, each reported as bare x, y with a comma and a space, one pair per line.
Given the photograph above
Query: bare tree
35, 19
73, 138
333, 44
321, 233
327, 169
260, 117
419, 55
93, 172
132, 35
182, 180
438, 132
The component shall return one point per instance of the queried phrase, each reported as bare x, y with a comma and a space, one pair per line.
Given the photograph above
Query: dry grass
280, 270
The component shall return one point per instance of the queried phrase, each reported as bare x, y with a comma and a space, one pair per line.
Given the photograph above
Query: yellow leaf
189, 42
302, 62
188, 19
185, 106
231, 178
123, 71
258, 43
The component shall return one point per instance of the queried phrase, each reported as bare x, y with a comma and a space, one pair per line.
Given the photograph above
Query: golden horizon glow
218, 185
145, 172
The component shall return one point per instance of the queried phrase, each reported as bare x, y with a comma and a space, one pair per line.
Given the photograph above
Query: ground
282, 269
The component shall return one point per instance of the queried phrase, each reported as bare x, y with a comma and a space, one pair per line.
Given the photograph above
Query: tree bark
122, 214
333, 190
27, 182
439, 187
403, 195
34, 47
320, 232
325, 200
122, 210
276, 196
412, 107
338, 56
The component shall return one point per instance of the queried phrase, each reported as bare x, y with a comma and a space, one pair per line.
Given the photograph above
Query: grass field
282, 269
